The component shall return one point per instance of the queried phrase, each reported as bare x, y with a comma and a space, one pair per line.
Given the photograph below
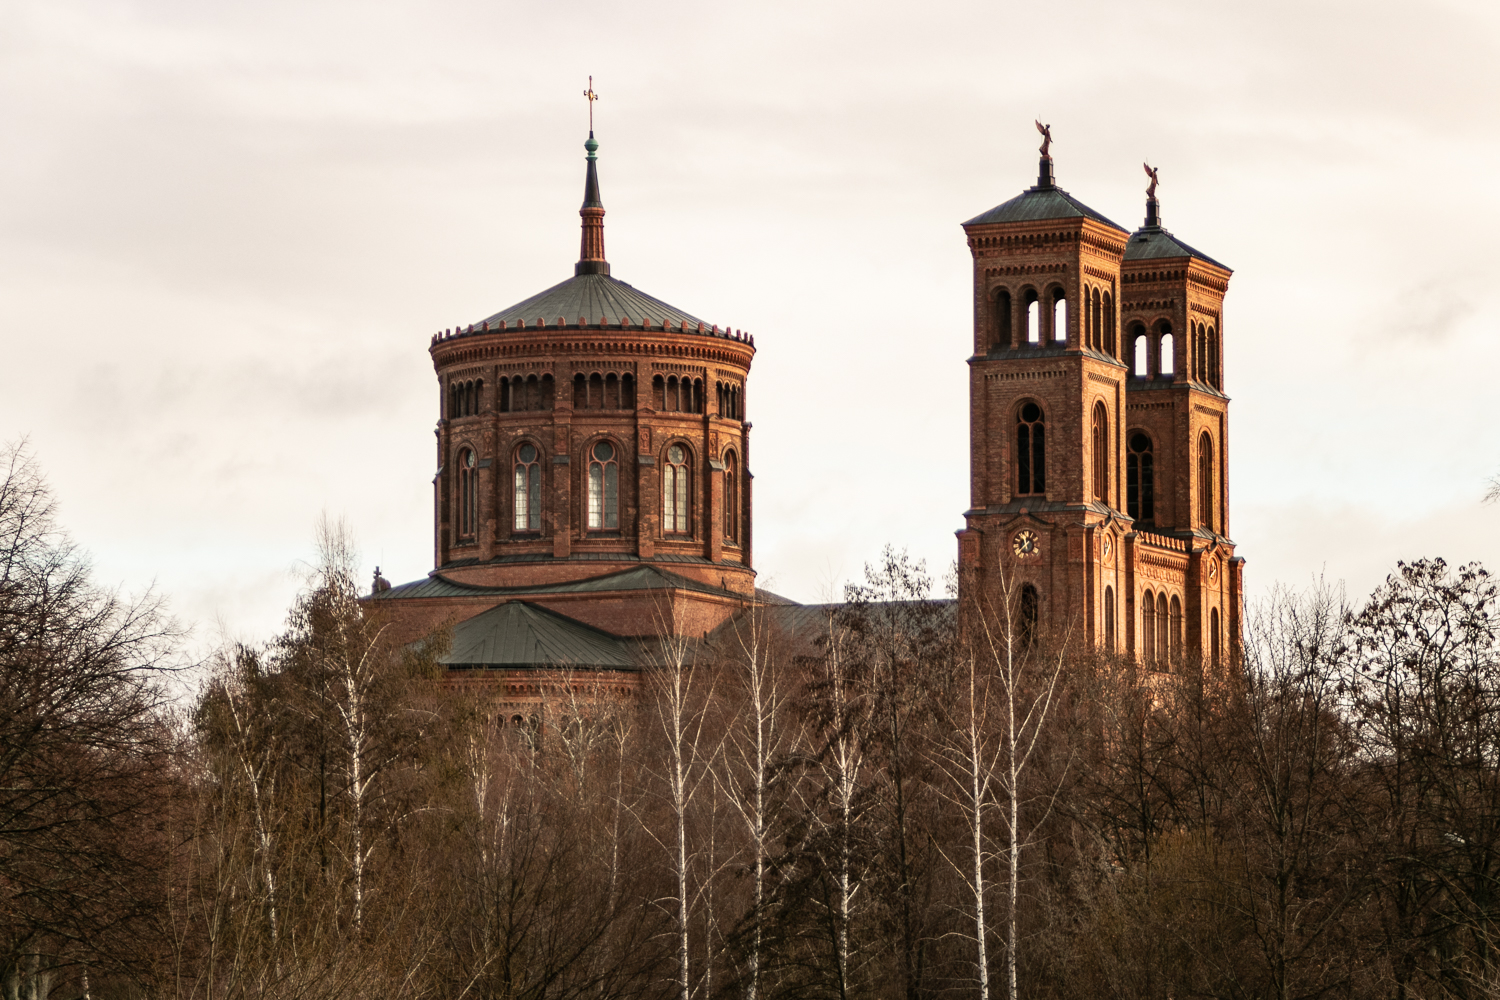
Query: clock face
1108, 547
1213, 570
1026, 543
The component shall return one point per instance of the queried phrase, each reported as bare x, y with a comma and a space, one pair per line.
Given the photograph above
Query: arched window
1098, 323
1002, 318
1213, 636
1168, 362
1206, 476
503, 393
1031, 450
1200, 353
612, 397
528, 482
1059, 316
1031, 613
627, 391
676, 491
1086, 319
697, 399
1109, 325
1109, 619
604, 488
1140, 480
1163, 636
1033, 329
1101, 452
1148, 627
580, 392
1213, 357
468, 493
731, 498
1176, 628
596, 392
1142, 354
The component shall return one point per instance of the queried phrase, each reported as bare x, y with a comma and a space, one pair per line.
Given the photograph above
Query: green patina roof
635, 578
1038, 203
1153, 242
593, 299
517, 634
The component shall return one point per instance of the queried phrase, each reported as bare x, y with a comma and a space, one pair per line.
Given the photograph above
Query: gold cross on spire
592, 97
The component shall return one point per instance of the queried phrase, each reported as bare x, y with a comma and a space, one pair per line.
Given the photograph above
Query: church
593, 490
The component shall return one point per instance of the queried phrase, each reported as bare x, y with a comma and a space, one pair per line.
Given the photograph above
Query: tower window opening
1109, 326
1163, 636
731, 498
604, 488
1176, 630
1206, 475
1086, 321
1200, 353
1100, 448
1059, 317
1140, 499
627, 391
528, 484
613, 400
1148, 627
1168, 362
1033, 329
1097, 324
1031, 450
659, 393
1142, 360
1002, 318
1030, 614
1109, 619
595, 398
468, 494
1213, 358
676, 491
1213, 636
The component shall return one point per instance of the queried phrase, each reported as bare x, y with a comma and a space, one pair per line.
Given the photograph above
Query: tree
85, 751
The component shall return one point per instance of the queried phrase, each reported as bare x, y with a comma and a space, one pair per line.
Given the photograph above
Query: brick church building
593, 489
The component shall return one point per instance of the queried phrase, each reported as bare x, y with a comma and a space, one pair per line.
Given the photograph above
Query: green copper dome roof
593, 300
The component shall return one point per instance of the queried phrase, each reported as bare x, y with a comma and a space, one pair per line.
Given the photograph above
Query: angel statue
1046, 131
1151, 173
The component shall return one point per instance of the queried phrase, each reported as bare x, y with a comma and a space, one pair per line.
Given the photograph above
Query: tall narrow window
1206, 476
1200, 353
1002, 318
1213, 358
1109, 619
596, 392
1140, 485
1086, 320
505, 392
468, 494
1033, 329
731, 498
1101, 452
528, 482
1098, 324
1142, 356
1163, 633
627, 391
1148, 627
1031, 613
604, 488
1168, 361
676, 492
612, 399
1031, 450
1109, 325
1059, 317
1176, 629
580, 392
1213, 636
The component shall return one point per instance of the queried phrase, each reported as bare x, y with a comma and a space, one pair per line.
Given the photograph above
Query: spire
591, 253
1044, 178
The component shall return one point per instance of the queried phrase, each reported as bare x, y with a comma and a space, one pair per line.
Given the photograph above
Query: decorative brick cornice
1020, 376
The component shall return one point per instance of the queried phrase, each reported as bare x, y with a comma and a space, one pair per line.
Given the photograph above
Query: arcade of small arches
601, 462
1029, 317
1153, 353
599, 390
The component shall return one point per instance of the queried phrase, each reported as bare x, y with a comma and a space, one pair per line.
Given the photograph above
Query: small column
746, 507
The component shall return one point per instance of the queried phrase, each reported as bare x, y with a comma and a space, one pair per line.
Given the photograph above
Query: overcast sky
228, 231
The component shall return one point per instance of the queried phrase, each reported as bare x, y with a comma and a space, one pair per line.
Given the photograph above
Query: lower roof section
518, 634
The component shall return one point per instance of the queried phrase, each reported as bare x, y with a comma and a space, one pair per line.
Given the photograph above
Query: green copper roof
635, 578
517, 634
1038, 203
1153, 242
592, 300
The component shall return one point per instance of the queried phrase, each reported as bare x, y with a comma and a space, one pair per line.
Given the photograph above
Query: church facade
1099, 432
593, 490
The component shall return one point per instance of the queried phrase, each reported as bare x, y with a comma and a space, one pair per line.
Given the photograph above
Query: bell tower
1098, 484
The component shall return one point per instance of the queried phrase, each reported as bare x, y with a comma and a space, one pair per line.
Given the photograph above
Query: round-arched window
1031, 450
528, 481
676, 492
604, 488
1140, 485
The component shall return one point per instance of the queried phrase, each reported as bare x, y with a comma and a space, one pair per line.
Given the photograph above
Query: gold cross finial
592, 97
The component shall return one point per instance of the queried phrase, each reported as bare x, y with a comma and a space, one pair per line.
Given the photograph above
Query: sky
229, 230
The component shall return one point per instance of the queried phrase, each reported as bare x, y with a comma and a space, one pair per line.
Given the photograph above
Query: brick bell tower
1098, 431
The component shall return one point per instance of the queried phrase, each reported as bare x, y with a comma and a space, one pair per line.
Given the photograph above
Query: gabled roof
635, 578
1153, 242
517, 634
1038, 203
593, 300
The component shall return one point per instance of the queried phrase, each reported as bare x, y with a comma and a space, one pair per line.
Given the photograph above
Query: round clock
1108, 547
1026, 543
1213, 570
